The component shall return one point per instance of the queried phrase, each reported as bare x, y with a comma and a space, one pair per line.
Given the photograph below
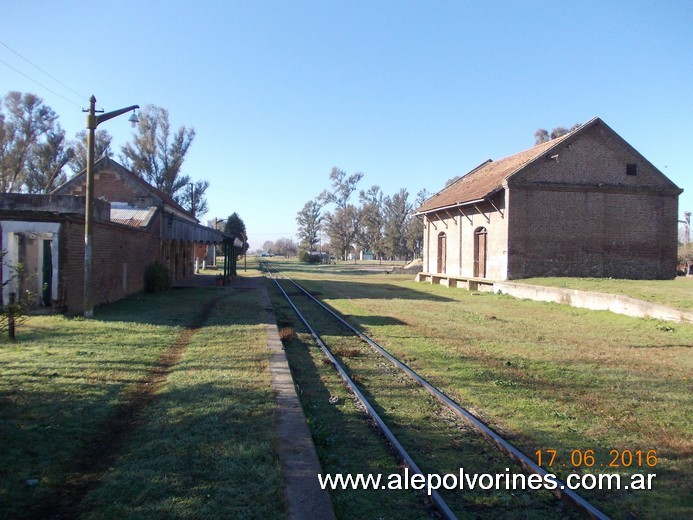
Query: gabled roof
108, 163
488, 178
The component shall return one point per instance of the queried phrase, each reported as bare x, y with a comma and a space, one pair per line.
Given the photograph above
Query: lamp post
93, 121
192, 198
218, 221
245, 252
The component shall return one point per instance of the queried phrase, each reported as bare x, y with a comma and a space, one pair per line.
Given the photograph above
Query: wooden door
442, 253
480, 253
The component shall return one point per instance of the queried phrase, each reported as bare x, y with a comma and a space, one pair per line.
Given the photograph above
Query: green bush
156, 278
308, 258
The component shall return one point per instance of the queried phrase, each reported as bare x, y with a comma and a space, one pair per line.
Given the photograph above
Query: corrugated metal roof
133, 217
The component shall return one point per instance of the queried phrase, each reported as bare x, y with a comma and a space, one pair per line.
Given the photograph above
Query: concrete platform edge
299, 459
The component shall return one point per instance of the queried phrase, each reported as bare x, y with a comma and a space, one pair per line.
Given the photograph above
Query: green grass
345, 441
204, 444
677, 293
545, 375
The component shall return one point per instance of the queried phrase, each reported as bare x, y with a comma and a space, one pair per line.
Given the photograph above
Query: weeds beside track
427, 439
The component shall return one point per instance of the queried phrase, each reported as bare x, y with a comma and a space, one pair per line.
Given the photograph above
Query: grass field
160, 407
547, 376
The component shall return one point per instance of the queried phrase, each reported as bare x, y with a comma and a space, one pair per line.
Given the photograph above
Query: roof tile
486, 179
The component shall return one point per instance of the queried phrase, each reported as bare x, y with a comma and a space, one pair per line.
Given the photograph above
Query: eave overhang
487, 198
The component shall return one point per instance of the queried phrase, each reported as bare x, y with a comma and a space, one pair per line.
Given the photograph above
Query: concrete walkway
299, 459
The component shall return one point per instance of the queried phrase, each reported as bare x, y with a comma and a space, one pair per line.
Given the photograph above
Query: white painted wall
44, 230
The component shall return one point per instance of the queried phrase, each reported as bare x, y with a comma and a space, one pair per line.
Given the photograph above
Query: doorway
30, 263
442, 253
480, 252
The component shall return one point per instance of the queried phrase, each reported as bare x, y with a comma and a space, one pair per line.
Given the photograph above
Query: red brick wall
113, 186
120, 255
200, 253
71, 266
591, 234
580, 214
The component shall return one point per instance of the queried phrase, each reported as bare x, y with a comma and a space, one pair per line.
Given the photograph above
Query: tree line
379, 223
35, 152
382, 224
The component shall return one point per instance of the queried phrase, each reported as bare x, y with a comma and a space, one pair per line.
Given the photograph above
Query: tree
102, 148
543, 136
309, 221
371, 225
156, 155
342, 228
267, 246
236, 228
685, 228
342, 188
415, 228
685, 256
342, 225
45, 165
192, 198
396, 211
21, 129
286, 247
16, 309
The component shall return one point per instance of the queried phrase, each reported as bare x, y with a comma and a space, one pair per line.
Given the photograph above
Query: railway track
306, 306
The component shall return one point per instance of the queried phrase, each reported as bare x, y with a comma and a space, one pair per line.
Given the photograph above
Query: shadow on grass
205, 451
372, 291
346, 443
375, 289
441, 445
176, 308
73, 395
375, 321
339, 268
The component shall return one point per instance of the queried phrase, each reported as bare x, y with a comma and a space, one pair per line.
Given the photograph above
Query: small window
631, 169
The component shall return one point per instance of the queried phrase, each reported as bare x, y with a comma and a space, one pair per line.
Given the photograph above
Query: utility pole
92, 122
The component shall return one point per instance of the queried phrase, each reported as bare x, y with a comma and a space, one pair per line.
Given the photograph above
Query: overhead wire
44, 72
40, 84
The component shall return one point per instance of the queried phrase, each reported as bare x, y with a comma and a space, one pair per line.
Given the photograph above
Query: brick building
134, 226
585, 204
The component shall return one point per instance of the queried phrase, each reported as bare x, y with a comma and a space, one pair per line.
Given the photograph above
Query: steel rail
437, 500
562, 491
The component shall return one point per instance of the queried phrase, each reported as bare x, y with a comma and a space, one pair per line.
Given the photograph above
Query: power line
40, 84
44, 72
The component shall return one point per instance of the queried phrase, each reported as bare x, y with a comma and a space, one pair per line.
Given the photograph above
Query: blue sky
409, 93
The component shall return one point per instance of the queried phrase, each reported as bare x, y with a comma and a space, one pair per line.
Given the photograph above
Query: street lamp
192, 198
245, 251
218, 221
93, 121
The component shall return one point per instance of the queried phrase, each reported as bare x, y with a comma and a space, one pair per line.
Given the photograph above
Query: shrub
156, 278
15, 311
309, 258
